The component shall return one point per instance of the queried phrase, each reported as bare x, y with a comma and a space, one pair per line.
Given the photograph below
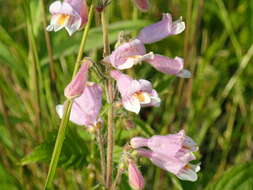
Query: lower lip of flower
62, 19
140, 96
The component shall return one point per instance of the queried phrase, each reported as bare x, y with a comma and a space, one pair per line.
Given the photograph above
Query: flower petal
167, 65
160, 30
178, 26
143, 97
59, 110
189, 173
155, 100
127, 51
73, 25
145, 86
184, 74
55, 7
132, 104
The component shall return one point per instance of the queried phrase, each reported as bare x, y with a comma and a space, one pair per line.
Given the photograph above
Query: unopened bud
143, 5
128, 124
76, 86
135, 178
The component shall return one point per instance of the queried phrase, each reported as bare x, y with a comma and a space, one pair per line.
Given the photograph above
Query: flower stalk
67, 109
83, 41
117, 180
102, 154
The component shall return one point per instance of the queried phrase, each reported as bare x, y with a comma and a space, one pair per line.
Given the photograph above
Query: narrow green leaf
239, 177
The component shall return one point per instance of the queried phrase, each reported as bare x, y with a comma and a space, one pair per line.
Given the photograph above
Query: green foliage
238, 177
74, 152
7, 181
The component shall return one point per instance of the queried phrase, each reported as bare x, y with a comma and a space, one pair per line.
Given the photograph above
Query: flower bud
76, 86
135, 178
143, 5
85, 109
128, 124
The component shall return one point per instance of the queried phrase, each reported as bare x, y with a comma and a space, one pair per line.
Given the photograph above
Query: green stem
83, 41
58, 144
67, 108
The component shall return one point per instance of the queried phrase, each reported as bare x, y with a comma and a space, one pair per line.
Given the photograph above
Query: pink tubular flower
169, 66
143, 5
161, 30
178, 145
85, 108
70, 14
128, 54
135, 178
135, 93
76, 86
181, 168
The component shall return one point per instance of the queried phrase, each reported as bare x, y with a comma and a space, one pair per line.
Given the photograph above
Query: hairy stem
102, 153
110, 138
105, 34
110, 141
67, 108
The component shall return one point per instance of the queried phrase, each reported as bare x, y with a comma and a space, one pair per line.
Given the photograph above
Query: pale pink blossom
178, 145
69, 14
128, 54
169, 66
135, 178
160, 30
85, 108
143, 5
181, 168
76, 86
135, 93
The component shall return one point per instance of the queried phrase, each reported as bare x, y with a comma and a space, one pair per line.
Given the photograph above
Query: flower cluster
172, 152
139, 93
131, 53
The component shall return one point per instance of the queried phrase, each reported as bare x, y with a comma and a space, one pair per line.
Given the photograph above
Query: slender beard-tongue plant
172, 152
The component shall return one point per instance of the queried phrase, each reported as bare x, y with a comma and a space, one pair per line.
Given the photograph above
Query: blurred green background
215, 106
